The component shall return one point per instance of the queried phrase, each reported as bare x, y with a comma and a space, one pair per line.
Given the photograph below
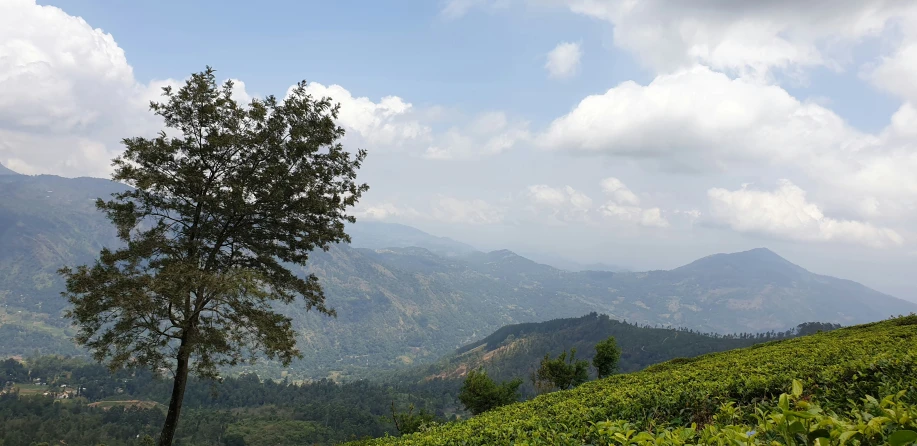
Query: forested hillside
71, 401
854, 383
514, 351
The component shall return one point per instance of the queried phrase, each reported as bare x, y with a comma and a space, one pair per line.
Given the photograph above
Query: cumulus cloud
66, 90
560, 204
704, 121
895, 73
564, 60
701, 118
625, 206
743, 37
621, 193
649, 217
786, 213
388, 122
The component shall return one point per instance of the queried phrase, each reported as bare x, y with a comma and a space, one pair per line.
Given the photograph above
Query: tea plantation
855, 385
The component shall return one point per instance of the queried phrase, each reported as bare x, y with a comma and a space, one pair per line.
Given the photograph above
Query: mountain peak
753, 260
6, 171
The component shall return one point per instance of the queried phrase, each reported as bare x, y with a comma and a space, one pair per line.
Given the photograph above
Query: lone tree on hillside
562, 373
215, 222
607, 355
480, 393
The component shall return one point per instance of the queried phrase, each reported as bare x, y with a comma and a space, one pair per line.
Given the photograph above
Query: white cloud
560, 204
564, 60
621, 193
699, 118
387, 122
704, 121
786, 213
386, 211
440, 208
744, 37
649, 217
66, 92
625, 206
896, 73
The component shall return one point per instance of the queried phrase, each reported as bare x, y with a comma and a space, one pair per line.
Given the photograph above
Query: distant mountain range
423, 296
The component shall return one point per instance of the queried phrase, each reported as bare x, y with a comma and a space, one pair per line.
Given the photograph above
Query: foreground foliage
676, 398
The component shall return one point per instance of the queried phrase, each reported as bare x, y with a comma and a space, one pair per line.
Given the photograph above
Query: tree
607, 355
560, 373
409, 422
215, 221
480, 393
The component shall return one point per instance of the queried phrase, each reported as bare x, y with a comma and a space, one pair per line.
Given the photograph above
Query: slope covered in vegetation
514, 351
712, 398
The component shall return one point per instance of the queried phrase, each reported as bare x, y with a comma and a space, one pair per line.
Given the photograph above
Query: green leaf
797, 388
902, 438
803, 415
797, 428
784, 402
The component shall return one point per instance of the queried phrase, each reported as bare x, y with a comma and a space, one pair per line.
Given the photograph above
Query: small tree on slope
480, 393
216, 219
607, 355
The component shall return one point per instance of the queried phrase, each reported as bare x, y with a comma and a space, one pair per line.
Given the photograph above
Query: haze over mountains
404, 296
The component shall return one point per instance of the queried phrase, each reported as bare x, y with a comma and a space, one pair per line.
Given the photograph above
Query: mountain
399, 306
515, 350
379, 235
5, 171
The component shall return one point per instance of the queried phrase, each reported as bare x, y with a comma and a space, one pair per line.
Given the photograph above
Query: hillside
45, 222
400, 306
835, 370
515, 350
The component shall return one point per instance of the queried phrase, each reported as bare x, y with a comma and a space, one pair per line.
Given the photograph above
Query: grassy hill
713, 398
515, 350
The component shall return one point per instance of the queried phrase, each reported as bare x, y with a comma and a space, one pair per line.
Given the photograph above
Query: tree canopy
607, 355
220, 208
480, 393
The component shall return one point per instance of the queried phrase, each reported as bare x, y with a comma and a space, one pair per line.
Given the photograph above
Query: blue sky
403, 48
645, 135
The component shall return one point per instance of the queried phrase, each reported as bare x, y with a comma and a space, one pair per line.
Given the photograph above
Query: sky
643, 134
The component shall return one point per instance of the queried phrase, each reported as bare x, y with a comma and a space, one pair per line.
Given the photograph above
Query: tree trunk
178, 394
